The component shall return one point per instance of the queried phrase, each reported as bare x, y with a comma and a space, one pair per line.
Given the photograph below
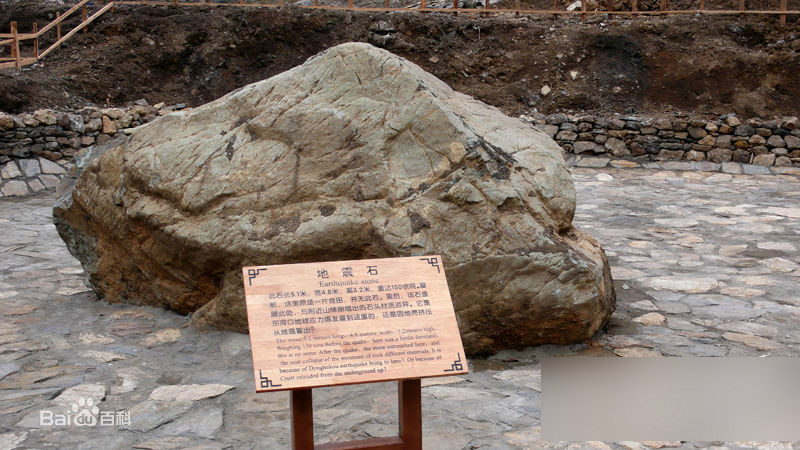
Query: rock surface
355, 154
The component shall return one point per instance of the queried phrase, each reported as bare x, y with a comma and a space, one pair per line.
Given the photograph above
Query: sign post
347, 322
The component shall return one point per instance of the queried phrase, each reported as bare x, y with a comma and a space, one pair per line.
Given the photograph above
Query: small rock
767, 159
165, 336
790, 123
604, 177
756, 342
636, 352
102, 356
108, 126
651, 319
188, 392
76, 123
733, 121
45, 116
70, 396
545, 91
434, 59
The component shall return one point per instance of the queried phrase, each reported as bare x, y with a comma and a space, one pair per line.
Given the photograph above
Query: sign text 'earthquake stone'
344, 322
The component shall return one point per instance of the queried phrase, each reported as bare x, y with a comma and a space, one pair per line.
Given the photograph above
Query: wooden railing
738, 8
14, 38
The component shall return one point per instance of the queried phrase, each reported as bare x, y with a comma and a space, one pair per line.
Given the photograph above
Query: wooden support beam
302, 420
409, 399
84, 16
783, 16
423, 4
555, 7
58, 27
35, 41
455, 7
583, 10
663, 5
634, 5
516, 5
702, 5
610, 5
742, 7
349, 4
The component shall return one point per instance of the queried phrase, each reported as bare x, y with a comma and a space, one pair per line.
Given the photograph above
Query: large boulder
357, 153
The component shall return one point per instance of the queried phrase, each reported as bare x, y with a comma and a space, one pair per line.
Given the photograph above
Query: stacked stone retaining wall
37, 149
773, 142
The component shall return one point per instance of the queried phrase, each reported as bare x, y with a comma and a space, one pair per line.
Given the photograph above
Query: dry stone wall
774, 142
36, 149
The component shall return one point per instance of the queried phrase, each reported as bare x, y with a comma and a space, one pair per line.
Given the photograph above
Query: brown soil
695, 64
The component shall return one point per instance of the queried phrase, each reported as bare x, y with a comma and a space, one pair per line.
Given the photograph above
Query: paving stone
10, 170
528, 378
203, 422
14, 188
751, 169
49, 181
49, 167
29, 167
593, 162
725, 284
150, 414
186, 393
166, 336
10, 441
35, 185
71, 396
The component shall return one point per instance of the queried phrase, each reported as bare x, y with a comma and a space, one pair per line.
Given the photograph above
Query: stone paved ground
704, 264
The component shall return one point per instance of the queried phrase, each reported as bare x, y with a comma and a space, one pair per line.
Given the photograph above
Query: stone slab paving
704, 264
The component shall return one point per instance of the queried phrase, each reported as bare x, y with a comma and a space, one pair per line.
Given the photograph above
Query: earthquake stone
243, 180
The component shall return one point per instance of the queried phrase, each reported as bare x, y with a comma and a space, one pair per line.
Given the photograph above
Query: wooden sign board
346, 322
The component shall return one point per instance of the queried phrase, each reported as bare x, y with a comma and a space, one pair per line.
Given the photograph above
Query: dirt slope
194, 55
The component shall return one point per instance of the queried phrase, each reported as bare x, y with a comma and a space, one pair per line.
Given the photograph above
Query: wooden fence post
516, 4
15, 45
349, 4
663, 5
555, 8
35, 41
783, 16
702, 5
741, 8
583, 10
610, 5
634, 5
423, 4
84, 16
455, 7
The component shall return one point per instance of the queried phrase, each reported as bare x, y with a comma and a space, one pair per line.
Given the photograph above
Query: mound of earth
355, 154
